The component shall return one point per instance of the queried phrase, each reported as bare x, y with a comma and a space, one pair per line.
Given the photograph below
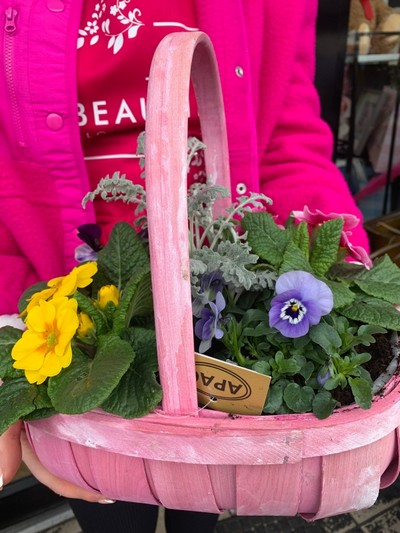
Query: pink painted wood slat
185, 486
272, 490
166, 183
190, 458
393, 470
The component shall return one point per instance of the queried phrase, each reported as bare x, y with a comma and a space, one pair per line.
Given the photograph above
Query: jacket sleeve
296, 168
31, 237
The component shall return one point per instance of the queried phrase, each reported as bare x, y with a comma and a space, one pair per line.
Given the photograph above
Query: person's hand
10, 453
14, 446
56, 484
10, 447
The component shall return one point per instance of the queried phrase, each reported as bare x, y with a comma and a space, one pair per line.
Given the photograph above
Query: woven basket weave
181, 456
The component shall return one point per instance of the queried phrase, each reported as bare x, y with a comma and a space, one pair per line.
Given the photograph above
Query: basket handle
179, 57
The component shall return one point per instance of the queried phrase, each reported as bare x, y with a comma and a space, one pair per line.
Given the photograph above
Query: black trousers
123, 517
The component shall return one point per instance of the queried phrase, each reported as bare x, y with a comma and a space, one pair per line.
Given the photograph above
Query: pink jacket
277, 142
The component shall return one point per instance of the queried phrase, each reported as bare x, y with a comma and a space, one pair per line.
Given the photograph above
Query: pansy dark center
293, 311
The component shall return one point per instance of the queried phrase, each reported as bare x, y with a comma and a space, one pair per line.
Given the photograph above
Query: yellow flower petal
66, 359
26, 344
51, 365
41, 316
85, 273
45, 294
45, 347
65, 286
35, 377
79, 277
32, 360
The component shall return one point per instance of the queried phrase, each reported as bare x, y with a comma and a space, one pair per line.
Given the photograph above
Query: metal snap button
241, 188
239, 72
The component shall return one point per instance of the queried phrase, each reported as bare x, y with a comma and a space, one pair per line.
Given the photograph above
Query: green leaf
136, 300
366, 334
285, 366
8, 337
342, 295
346, 271
360, 358
266, 239
253, 315
326, 336
124, 254
382, 281
43, 406
298, 399
142, 302
323, 404
262, 367
294, 259
362, 392
302, 238
86, 383
324, 251
373, 311
306, 370
332, 383
87, 306
259, 331
274, 400
39, 414
138, 392
17, 399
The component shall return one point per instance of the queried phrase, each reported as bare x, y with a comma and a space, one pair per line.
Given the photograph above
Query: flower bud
108, 293
85, 325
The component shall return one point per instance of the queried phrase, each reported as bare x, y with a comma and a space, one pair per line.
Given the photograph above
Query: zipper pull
11, 15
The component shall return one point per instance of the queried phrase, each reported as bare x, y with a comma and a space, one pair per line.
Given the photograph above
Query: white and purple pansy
300, 302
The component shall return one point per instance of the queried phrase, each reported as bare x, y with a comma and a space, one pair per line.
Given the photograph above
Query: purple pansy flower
84, 253
323, 376
208, 326
90, 234
210, 285
300, 302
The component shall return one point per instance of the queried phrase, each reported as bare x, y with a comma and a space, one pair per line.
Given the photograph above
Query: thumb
56, 484
10, 453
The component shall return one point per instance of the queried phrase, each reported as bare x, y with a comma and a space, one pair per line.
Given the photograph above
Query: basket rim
205, 439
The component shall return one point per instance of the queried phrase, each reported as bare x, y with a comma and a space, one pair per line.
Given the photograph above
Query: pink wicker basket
184, 457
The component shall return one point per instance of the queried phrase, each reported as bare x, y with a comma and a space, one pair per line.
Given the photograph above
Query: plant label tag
230, 388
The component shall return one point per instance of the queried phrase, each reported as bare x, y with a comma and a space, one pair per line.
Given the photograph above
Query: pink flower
356, 252
350, 221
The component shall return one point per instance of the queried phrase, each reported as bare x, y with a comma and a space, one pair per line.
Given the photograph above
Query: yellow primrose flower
108, 293
45, 347
45, 294
79, 277
85, 324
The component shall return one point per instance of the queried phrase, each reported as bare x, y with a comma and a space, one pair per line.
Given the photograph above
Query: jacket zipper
10, 28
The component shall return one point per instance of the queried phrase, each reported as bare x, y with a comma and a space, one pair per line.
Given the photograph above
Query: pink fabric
112, 103
277, 142
31, 234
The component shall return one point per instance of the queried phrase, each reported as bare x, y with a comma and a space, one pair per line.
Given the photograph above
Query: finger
10, 453
56, 484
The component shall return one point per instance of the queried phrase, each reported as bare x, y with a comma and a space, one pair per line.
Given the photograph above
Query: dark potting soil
381, 356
